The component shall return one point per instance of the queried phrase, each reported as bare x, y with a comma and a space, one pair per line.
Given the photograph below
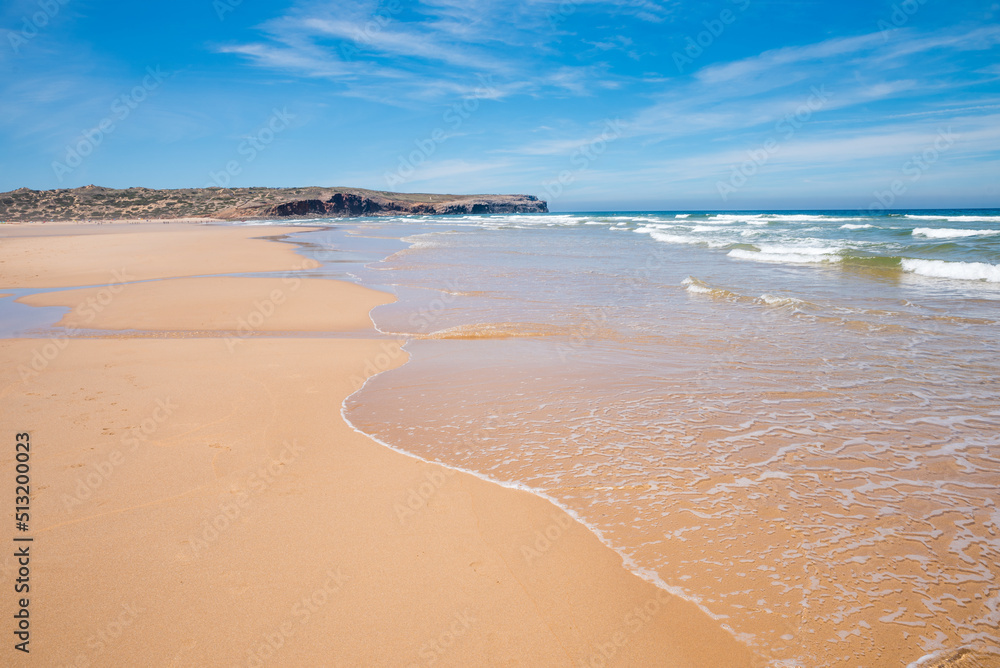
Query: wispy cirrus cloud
431, 48
400, 42
844, 110
751, 95
771, 61
519, 88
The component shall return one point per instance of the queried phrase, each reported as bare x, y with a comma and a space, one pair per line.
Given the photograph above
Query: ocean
789, 418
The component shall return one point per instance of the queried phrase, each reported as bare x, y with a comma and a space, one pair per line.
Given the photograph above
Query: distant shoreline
96, 204
117, 221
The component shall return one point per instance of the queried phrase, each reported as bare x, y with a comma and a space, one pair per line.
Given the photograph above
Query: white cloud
445, 169
792, 55
437, 50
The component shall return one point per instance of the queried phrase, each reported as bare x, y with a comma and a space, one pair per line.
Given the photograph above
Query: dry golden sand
42, 256
242, 305
91, 225
201, 504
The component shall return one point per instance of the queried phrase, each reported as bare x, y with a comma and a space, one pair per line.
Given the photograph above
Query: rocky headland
98, 203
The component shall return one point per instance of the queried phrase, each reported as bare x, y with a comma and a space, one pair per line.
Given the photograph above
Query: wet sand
196, 502
240, 305
815, 468
77, 255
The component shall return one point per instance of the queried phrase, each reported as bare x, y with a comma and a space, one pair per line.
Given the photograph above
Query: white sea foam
767, 218
698, 287
964, 271
773, 300
737, 218
650, 228
801, 250
788, 254
683, 215
518, 218
975, 219
810, 216
683, 239
797, 218
957, 219
851, 226
694, 286
950, 233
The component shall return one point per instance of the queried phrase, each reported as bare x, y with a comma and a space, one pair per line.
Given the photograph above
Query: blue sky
628, 104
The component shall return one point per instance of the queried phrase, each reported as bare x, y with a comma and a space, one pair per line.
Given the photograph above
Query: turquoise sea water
792, 418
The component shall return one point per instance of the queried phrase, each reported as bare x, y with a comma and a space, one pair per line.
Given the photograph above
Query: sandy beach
199, 500
562, 333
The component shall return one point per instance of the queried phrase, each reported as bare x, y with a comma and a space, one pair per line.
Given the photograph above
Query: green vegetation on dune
99, 203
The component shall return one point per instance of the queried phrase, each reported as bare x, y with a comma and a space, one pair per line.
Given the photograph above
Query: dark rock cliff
99, 203
342, 205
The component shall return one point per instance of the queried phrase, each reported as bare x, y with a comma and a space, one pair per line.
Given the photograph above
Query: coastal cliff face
97, 203
355, 204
